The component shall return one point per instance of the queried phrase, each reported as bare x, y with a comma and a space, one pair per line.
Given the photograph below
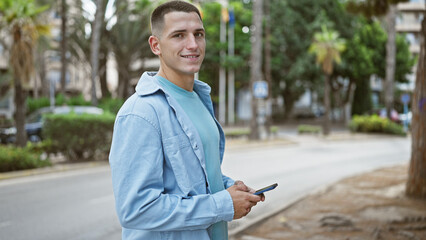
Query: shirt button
196, 146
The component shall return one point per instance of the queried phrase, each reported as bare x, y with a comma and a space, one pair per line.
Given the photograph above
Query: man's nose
191, 42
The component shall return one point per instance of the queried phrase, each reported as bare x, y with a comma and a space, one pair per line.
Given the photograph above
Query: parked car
34, 122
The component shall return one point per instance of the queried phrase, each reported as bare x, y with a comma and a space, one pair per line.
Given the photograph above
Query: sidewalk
368, 206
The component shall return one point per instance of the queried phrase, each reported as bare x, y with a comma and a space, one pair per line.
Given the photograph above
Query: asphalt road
79, 204
308, 166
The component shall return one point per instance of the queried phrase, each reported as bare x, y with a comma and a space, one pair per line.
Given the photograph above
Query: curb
52, 169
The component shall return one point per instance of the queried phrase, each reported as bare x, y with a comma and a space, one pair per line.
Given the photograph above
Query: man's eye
178, 35
199, 34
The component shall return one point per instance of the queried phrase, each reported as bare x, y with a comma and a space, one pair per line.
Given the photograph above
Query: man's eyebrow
184, 31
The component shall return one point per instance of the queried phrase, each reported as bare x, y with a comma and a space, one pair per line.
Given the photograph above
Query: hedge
375, 124
60, 100
111, 104
308, 129
16, 158
80, 137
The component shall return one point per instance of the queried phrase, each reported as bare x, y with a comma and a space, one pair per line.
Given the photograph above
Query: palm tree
327, 47
128, 38
24, 29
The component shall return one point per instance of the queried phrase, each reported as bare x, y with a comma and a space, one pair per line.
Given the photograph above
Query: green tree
327, 47
128, 40
293, 68
21, 17
210, 69
371, 8
416, 184
364, 57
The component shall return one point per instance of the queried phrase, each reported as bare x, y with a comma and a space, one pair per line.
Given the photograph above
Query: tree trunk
416, 184
268, 74
20, 109
94, 56
123, 83
326, 121
103, 73
256, 63
42, 74
347, 103
390, 59
288, 103
63, 45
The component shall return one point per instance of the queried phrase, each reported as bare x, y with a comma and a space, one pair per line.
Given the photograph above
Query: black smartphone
265, 189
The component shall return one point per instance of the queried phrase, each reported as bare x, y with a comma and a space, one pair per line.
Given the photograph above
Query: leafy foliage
327, 47
375, 124
60, 100
371, 8
14, 158
111, 105
308, 129
80, 136
209, 72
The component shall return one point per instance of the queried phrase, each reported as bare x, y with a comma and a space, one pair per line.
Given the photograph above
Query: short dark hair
157, 16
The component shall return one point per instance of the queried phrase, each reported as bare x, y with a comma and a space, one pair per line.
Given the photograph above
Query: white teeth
190, 56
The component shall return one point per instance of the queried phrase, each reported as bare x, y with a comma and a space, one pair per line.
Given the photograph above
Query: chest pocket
185, 164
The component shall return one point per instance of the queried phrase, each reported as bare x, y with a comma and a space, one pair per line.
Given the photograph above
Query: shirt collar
148, 85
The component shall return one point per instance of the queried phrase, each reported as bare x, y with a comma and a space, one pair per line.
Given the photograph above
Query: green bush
111, 104
375, 124
236, 132
80, 137
34, 104
308, 129
245, 132
78, 101
15, 158
60, 100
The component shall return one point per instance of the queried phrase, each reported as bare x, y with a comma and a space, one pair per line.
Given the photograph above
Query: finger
254, 198
251, 190
238, 182
242, 187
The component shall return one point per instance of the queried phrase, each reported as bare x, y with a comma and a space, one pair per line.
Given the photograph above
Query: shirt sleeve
227, 181
136, 160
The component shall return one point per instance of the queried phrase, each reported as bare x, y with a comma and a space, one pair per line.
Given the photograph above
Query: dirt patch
368, 206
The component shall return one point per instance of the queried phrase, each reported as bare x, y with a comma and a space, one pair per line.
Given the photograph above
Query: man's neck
185, 81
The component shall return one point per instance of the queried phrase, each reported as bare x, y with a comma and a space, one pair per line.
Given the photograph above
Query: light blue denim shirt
158, 168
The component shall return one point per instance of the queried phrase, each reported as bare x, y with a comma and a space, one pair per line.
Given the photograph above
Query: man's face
181, 46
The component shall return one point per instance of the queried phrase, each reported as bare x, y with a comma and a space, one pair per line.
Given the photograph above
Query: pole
231, 72
222, 73
256, 65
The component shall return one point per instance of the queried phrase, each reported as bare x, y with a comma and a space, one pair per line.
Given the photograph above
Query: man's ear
154, 43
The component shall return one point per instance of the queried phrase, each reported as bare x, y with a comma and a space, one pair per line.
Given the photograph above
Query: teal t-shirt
209, 134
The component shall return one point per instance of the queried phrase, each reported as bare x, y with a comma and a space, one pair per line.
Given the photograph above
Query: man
167, 146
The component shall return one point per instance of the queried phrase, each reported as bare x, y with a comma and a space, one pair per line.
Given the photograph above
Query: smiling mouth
190, 56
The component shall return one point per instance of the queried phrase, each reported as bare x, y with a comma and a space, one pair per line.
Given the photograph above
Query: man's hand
242, 199
250, 190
